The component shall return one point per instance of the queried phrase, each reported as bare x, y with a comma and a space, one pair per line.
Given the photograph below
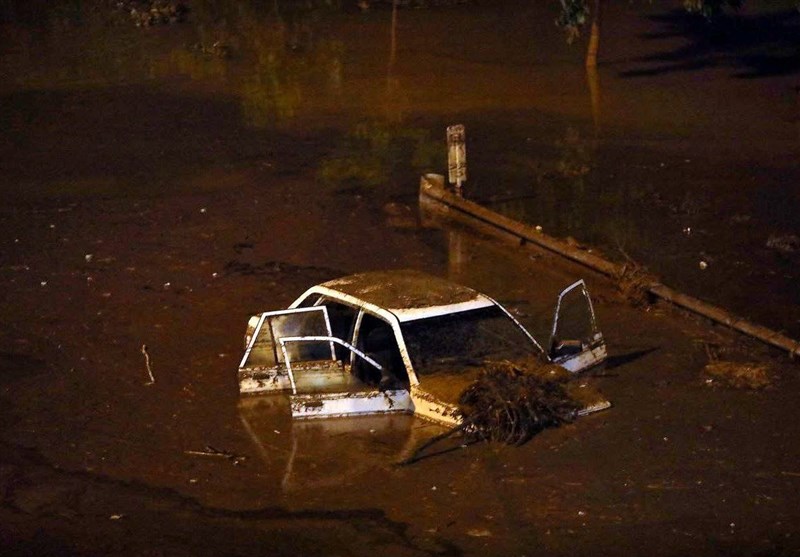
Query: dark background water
684, 156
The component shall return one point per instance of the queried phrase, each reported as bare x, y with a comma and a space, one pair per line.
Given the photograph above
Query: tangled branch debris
145, 13
734, 374
739, 375
510, 403
634, 281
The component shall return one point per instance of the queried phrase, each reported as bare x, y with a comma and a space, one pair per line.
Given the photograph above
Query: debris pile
511, 403
784, 243
633, 282
739, 375
145, 13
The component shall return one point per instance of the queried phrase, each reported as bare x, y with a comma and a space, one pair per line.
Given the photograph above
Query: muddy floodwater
161, 183
680, 153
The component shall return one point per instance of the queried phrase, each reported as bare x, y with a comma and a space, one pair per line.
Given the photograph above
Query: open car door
576, 343
263, 366
294, 350
341, 393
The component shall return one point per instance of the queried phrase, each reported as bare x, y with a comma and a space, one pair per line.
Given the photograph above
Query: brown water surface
160, 185
686, 154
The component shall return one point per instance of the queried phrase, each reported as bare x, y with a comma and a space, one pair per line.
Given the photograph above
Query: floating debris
218, 49
146, 13
784, 243
741, 219
147, 366
211, 451
739, 375
633, 282
511, 403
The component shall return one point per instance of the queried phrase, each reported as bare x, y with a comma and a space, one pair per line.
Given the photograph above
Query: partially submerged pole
432, 188
457, 157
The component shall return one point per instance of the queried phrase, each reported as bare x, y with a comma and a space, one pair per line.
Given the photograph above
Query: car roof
409, 294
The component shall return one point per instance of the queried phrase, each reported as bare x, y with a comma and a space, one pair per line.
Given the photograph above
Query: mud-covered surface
162, 185
96, 462
402, 289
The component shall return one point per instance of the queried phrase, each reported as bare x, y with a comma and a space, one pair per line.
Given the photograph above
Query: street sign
456, 155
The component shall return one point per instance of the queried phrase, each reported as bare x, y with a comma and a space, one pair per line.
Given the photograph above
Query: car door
576, 342
365, 391
297, 350
264, 364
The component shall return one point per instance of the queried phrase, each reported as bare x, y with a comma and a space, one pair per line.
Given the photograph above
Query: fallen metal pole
432, 188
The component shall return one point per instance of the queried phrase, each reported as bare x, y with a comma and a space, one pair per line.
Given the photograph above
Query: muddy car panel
429, 407
378, 339
351, 403
263, 366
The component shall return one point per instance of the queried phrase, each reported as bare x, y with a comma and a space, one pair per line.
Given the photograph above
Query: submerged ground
162, 184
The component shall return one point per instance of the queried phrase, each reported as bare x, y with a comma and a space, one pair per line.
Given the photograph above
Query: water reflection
567, 200
375, 153
71, 45
327, 453
572, 199
666, 212
272, 57
382, 149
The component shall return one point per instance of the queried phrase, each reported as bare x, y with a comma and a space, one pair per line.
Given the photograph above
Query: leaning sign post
456, 156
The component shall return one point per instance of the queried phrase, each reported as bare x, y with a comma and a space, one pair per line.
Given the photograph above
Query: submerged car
402, 341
